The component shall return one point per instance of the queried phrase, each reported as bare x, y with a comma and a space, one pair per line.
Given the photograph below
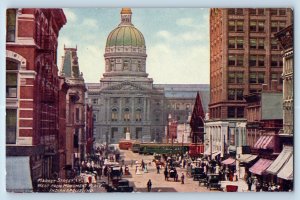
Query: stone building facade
32, 95
286, 39
127, 99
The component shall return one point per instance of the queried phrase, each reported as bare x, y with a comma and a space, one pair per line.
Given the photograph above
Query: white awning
18, 175
214, 153
287, 170
282, 158
246, 158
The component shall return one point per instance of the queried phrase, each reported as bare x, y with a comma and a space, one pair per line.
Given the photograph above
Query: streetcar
167, 149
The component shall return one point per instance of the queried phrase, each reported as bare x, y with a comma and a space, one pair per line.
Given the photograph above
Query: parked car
213, 181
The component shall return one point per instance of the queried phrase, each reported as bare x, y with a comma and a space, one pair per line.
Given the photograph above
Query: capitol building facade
126, 100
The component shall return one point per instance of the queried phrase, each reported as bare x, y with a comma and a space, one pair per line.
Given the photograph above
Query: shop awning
214, 154
260, 166
282, 158
229, 161
265, 142
18, 176
247, 158
286, 171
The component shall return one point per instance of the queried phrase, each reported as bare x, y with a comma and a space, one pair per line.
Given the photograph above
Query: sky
177, 41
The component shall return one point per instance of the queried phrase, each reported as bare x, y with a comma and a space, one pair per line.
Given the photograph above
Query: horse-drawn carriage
213, 182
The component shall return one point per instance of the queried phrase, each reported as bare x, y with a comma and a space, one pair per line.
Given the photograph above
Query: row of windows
254, 77
126, 115
115, 100
235, 112
235, 94
259, 11
255, 43
255, 26
254, 60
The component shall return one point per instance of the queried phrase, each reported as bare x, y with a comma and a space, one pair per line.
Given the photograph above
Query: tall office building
244, 55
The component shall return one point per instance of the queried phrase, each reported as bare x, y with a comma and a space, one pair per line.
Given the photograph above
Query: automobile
197, 173
213, 181
123, 186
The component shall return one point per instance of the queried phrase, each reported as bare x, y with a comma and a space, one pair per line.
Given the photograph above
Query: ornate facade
32, 95
127, 99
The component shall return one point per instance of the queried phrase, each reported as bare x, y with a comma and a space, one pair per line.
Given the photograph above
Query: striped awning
229, 161
265, 142
246, 158
287, 170
282, 158
260, 166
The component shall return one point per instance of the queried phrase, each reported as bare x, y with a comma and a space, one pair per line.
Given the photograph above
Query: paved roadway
158, 180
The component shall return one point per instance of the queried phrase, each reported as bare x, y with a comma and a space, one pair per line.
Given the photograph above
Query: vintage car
213, 181
197, 173
123, 186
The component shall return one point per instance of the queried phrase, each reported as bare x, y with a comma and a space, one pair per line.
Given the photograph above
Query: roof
125, 36
18, 175
187, 91
70, 67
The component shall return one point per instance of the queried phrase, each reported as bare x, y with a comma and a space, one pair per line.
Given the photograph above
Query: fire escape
49, 95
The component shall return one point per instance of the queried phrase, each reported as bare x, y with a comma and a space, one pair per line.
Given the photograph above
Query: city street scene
102, 100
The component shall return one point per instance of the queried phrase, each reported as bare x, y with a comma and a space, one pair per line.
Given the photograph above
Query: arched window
11, 79
114, 115
138, 115
126, 114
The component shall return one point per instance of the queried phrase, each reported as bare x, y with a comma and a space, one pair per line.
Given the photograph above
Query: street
139, 181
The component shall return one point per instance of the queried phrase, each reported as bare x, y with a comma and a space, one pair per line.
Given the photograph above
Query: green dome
125, 36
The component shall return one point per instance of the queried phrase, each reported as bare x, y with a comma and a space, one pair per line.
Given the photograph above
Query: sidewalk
242, 185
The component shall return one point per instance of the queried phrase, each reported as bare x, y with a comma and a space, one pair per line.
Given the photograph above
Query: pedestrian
166, 175
121, 171
249, 183
149, 185
182, 178
176, 177
87, 187
157, 167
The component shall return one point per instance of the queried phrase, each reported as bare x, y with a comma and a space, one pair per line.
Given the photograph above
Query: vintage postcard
149, 100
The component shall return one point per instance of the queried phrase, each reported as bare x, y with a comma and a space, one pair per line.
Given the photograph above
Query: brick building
32, 95
244, 54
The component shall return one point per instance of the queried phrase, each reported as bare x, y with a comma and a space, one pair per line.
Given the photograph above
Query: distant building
77, 111
244, 55
126, 98
32, 96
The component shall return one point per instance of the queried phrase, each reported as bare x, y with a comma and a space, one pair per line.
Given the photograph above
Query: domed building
126, 99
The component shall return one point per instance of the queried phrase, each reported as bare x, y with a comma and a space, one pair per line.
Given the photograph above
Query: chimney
274, 85
264, 87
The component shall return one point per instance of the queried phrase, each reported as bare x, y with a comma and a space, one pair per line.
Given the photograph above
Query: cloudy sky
177, 41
